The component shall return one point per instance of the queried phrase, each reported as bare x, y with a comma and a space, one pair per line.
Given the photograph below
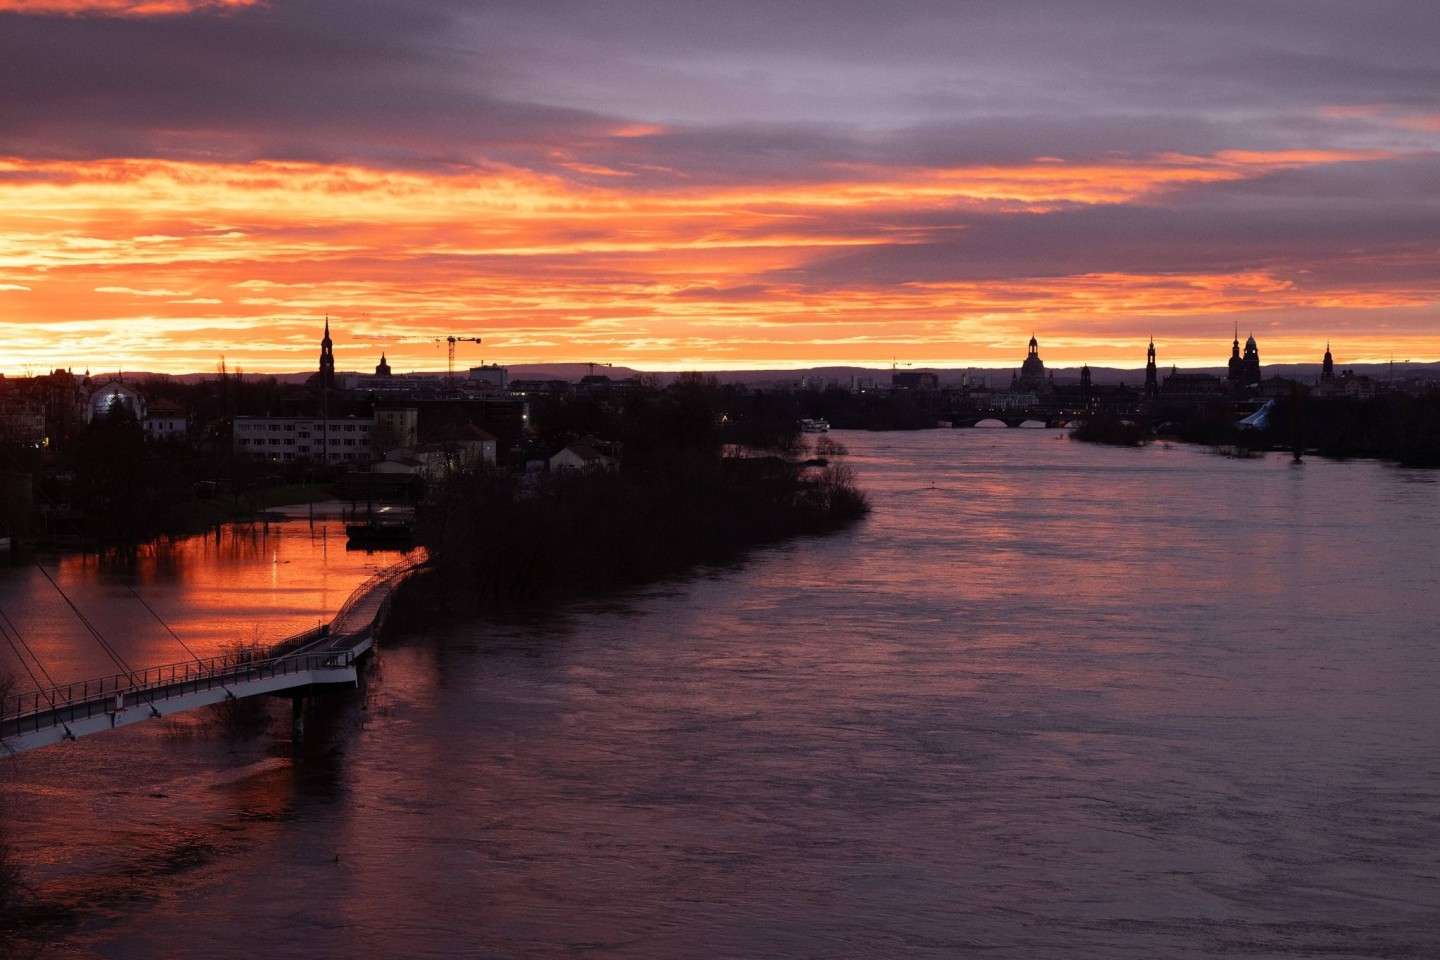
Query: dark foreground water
1050, 700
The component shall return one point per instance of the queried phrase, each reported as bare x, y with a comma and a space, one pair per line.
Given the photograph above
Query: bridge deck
323, 656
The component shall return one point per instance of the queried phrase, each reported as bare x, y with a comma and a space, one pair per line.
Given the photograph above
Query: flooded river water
1049, 700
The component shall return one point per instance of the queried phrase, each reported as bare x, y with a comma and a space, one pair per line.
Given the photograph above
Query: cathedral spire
326, 377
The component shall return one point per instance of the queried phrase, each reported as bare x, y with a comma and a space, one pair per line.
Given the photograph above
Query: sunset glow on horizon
194, 181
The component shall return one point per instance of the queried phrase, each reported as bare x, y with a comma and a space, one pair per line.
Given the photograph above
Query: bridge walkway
324, 656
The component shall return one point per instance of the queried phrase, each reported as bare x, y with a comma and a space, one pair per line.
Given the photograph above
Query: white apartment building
281, 439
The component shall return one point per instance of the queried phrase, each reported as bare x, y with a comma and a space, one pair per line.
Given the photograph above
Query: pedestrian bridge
326, 656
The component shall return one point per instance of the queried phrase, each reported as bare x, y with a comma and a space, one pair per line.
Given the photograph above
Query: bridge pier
300, 709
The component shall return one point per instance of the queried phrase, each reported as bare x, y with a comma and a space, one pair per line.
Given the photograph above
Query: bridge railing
390, 575
237, 666
299, 640
156, 684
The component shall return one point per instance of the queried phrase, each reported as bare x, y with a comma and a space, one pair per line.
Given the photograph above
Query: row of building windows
247, 427
302, 438
334, 457
290, 442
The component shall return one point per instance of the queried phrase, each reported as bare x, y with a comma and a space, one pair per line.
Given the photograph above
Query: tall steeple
1152, 385
1327, 366
326, 379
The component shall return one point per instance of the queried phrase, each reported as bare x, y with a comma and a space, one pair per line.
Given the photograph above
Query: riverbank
1398, 429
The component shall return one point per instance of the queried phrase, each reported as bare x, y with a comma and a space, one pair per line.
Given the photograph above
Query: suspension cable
16, 643
110, 651
193, 655
185, 646
12, 637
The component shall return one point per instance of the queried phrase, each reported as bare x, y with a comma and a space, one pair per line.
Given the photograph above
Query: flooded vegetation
682, 494
501, 543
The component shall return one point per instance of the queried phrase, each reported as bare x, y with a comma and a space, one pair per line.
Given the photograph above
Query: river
1048, 700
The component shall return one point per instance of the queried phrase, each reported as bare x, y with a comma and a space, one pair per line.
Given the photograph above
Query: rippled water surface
1049, 700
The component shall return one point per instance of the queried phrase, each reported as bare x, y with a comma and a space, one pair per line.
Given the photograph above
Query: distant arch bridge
1006, 419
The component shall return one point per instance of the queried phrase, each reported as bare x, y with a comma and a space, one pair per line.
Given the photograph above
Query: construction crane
895, 366
592, 367
448, 341
450, 344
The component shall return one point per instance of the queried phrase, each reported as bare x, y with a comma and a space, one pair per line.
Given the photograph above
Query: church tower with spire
1327, 366
325, 380
1244, 370
1152, 384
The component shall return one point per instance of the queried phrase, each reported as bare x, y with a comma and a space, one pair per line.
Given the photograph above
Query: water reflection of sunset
242, 585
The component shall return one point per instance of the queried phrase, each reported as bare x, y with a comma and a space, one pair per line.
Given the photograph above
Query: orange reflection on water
241, 585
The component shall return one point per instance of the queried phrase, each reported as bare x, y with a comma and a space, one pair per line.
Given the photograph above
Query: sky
738, 184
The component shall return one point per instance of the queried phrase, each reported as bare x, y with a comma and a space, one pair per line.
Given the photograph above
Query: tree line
700, 480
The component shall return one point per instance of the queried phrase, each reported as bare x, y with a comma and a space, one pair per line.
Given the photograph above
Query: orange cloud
1403, 118
167, 266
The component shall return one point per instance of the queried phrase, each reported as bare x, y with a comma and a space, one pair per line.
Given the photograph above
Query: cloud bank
743, 184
